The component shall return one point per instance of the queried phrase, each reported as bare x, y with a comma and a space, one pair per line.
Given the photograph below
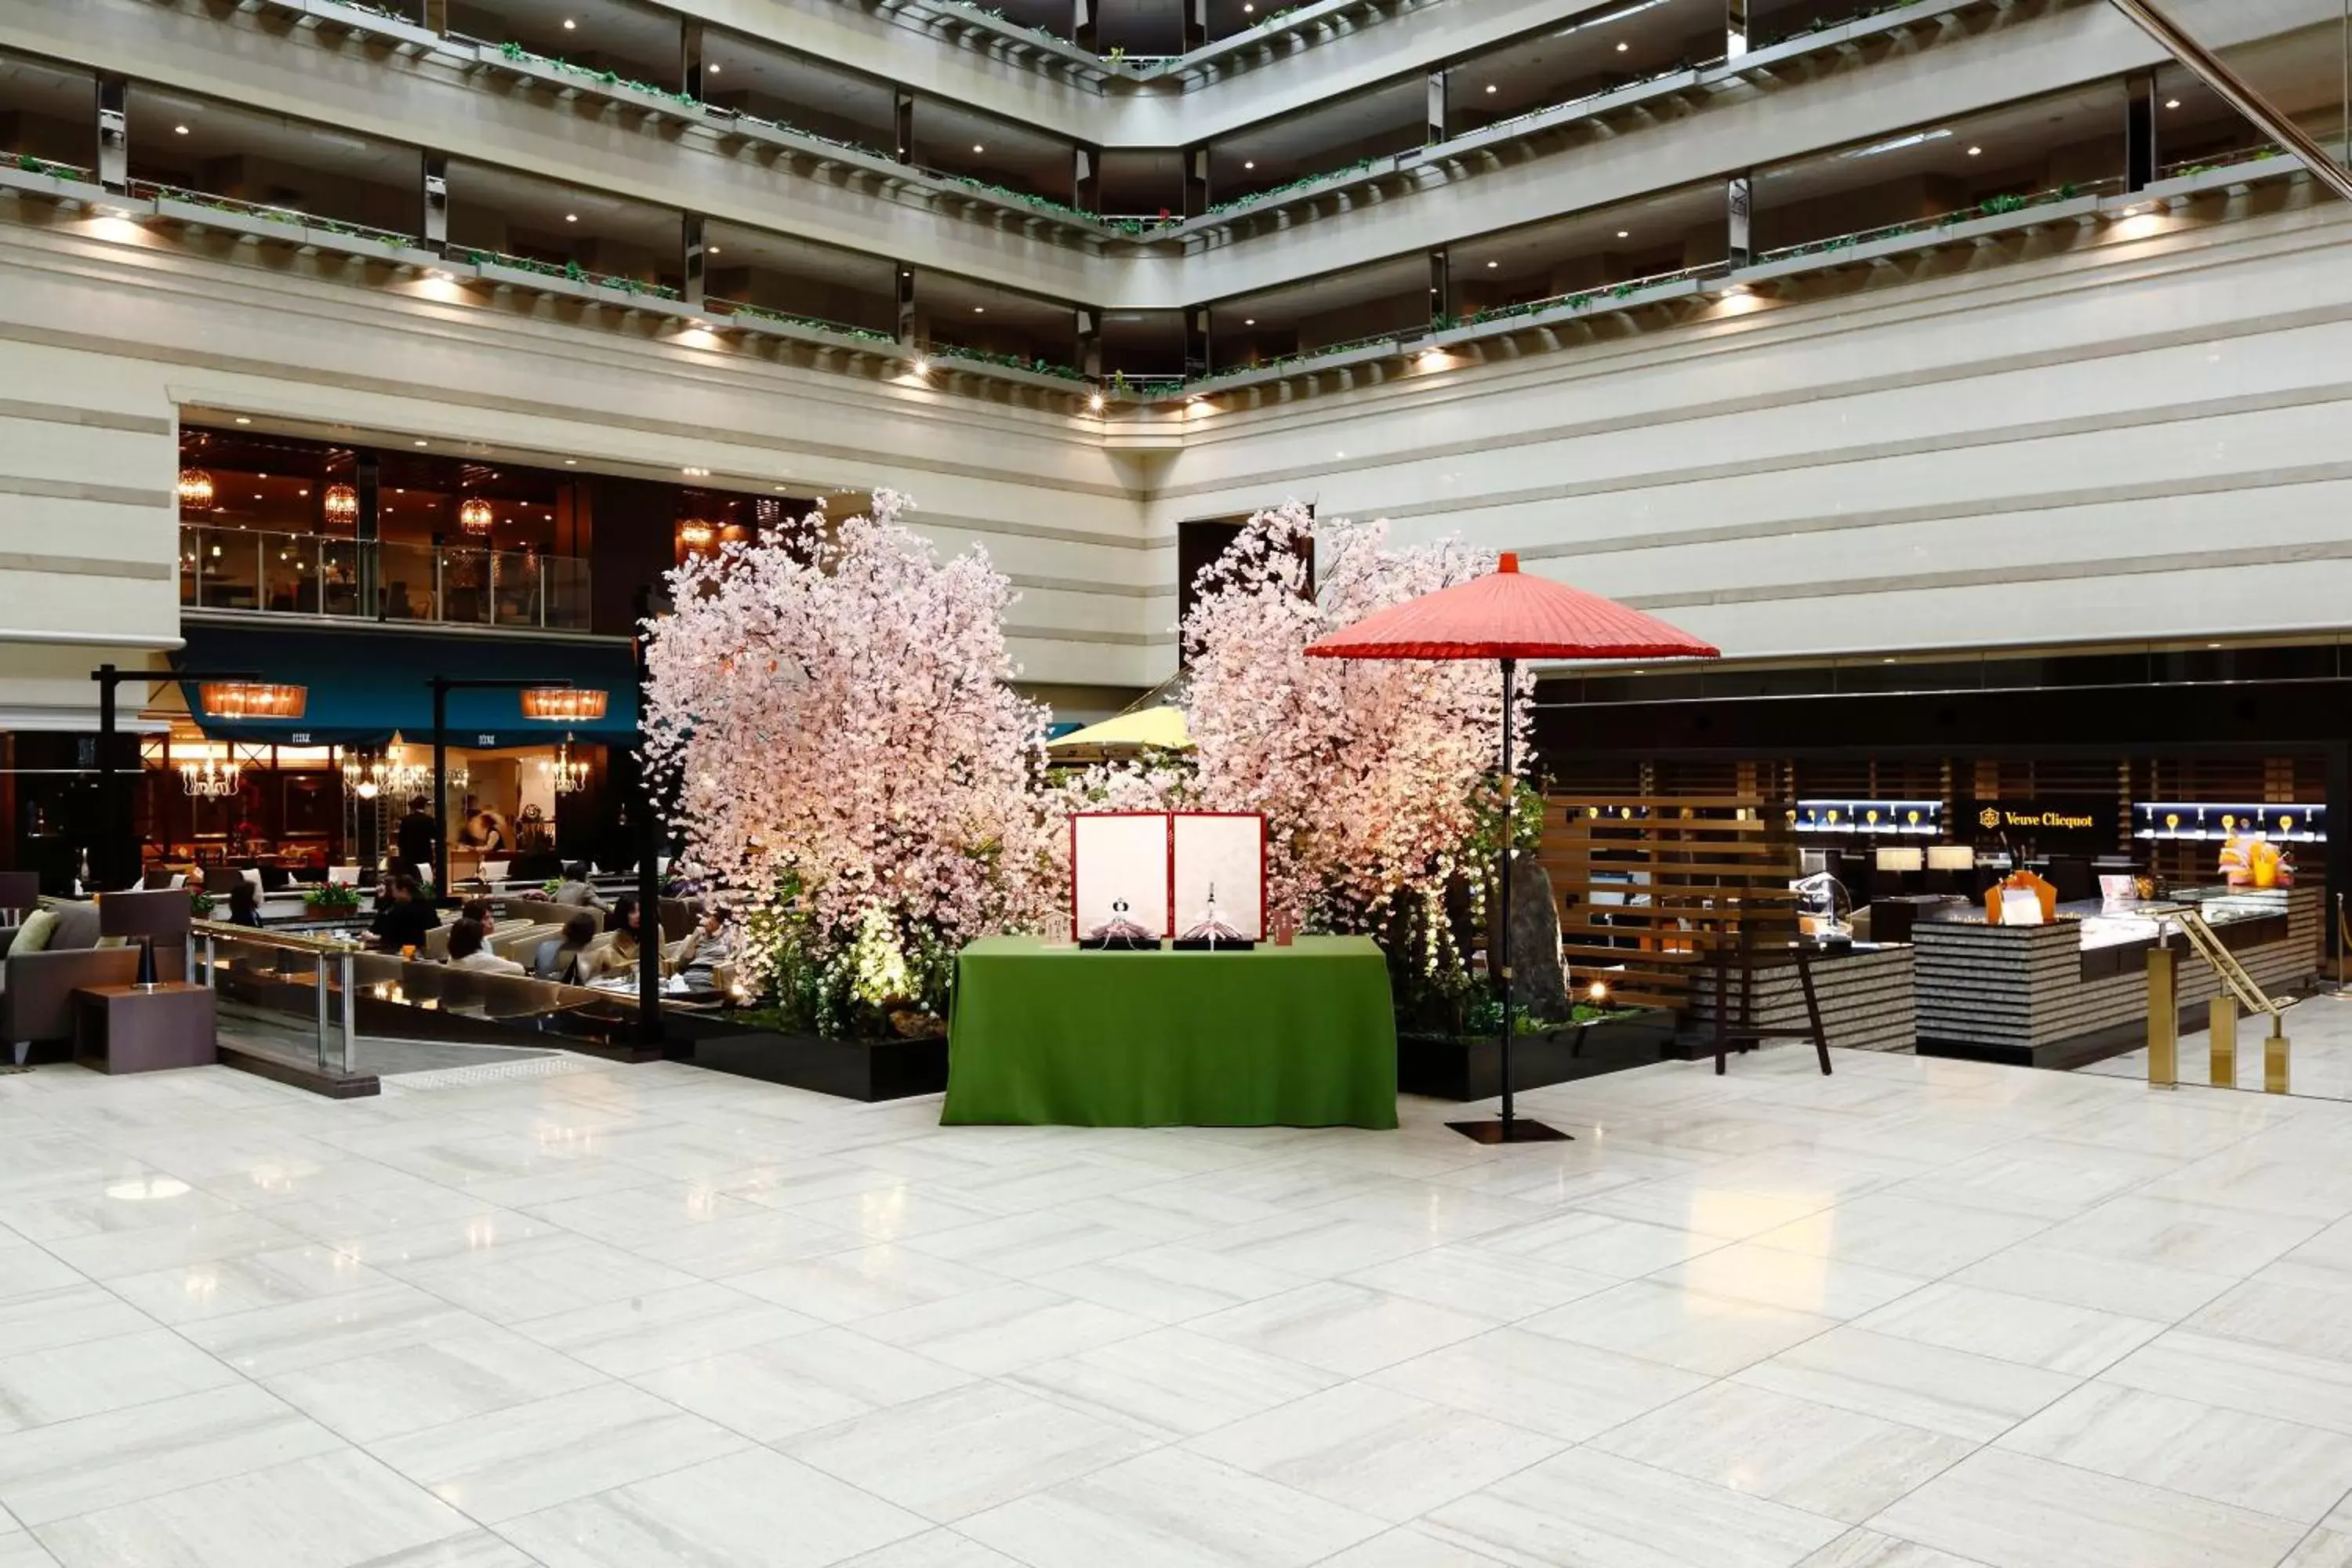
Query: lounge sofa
36, 988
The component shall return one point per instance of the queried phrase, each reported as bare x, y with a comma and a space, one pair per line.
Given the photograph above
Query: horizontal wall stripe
70, 489
1119, 639
1992, 577
1074, 586
925, 521
85, 566
94, 418
1994, 506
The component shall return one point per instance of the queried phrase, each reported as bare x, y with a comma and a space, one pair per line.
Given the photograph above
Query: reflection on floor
1926, 1313
2319, 1051
296, 1041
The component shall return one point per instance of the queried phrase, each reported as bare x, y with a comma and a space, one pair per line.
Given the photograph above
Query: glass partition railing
224, 568
289, 998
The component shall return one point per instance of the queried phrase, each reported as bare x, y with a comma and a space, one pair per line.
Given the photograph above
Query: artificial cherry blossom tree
1375, 774
853, 773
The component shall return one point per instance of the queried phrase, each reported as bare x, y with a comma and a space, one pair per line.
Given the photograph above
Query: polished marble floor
1918, 1315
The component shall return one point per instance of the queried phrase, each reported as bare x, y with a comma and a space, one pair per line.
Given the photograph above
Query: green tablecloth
1289, 1037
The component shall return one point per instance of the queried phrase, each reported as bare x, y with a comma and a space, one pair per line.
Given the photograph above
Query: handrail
262, 936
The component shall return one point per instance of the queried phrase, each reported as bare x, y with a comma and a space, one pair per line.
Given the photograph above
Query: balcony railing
316, 574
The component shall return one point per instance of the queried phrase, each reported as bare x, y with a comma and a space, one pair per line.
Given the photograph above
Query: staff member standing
416, 833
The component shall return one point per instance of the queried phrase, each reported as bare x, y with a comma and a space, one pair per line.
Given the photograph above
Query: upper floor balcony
227, 567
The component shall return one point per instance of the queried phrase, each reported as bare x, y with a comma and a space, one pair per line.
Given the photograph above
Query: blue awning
365, 686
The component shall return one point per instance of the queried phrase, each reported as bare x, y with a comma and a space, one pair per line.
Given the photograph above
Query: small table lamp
145, 916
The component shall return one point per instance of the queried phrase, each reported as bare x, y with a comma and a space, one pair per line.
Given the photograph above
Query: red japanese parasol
1508, 615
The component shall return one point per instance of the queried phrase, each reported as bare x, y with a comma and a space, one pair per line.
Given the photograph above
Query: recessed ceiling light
1624, 234
980, 309
570, 462
1622, 47
1491, 88
2171, 103
1492, 265
1247, 9
923, 367
571, 218
420, 443
179, 130
261, 475
568, 24
243, 420
1249, 162
713, 250
978, 148
1095, 401
713, 68
1974, 151
1249, 322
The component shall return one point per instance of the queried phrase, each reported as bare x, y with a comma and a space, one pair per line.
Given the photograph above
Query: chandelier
564, 704
694, 536
210, 781
567, 774
343, 505
476, 516
195, 488
254, 699
364, 779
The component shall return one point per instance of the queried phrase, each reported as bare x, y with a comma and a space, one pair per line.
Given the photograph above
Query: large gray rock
1538, 983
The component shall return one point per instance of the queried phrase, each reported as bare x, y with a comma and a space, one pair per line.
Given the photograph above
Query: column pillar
366, 481
905, 305
1086, 25
436, 14
1086, 178
1196, 342
432, 203
690, 261
1735, 28
902, 115
2140, 131
1196, 24
1196, 181
690, 57
1440, 285
113, 131
1089, 360
1739, 192
1436, 132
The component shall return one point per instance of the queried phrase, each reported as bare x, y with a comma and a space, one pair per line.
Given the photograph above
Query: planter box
2072, 209
885, 347
1591, 107
1839, 37
869, 1070
1446, 1067
1286, 370
57, 185
1600, 302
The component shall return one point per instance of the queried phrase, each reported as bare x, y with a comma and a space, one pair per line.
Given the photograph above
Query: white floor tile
1172, 1382
1567, 1391
1170, 1509
1350, 1330
1375, 1450
1661, 1321
2052, 1335
1595, 1510
144, 1450
1956, 1393
2009, 1510
753, 1507
783, 1387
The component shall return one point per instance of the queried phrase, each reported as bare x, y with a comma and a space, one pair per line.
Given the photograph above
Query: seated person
467, 952
575, 888
244, 904
565, 959
618, 956
402, 917
479, 912
703, 948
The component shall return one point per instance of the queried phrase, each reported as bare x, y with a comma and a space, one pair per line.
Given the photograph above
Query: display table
141, 1029
1288, 1036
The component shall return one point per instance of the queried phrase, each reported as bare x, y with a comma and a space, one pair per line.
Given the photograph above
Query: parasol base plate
1518, 1130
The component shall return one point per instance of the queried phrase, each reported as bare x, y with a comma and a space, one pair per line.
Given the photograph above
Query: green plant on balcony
809, 324
1010, 361
1291, 187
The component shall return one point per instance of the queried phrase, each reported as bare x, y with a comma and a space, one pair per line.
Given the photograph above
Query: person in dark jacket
244, 904
416, 833
404, 918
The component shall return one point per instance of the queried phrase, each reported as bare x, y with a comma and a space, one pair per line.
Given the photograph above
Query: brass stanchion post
2163, 1020
2221, 1038
2274, 1058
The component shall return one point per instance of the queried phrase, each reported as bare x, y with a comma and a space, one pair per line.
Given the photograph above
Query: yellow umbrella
1154, 728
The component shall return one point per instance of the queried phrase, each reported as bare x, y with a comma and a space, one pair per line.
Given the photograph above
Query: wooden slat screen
1652, 887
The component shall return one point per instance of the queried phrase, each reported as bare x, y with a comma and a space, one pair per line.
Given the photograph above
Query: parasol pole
1503, 924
